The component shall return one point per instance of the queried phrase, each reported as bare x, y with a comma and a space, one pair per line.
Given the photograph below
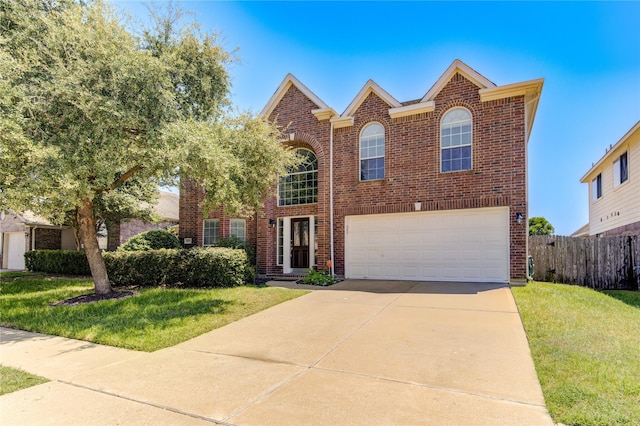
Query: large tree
90, 112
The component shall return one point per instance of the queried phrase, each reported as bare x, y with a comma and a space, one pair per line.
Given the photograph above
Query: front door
300, 243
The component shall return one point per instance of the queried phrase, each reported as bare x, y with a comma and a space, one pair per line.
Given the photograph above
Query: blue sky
587, 52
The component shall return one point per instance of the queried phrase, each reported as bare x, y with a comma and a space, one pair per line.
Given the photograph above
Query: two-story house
429, 189
614, 189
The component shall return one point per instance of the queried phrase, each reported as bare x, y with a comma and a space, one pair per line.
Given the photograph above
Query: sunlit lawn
586, 348
155, 319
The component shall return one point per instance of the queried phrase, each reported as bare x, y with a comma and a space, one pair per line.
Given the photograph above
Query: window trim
617, 170
384, 155
216, 238
316, 171
596, 188
244, 228
470, 144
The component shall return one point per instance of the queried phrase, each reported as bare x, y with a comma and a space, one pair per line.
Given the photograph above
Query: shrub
322, 278
152, 240
237, 243
71, 262
198, 267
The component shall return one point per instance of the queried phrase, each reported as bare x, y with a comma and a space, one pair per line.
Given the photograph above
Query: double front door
300, 230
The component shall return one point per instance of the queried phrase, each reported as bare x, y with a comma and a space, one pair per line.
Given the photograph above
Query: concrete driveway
359, 352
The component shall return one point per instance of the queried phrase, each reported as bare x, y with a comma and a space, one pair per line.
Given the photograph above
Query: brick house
430, 189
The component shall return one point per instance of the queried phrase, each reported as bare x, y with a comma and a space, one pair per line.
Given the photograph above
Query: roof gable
465, 70
323, 111
370, 87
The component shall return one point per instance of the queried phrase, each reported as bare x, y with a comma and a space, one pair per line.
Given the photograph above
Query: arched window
300, 186
455, 140
372, 152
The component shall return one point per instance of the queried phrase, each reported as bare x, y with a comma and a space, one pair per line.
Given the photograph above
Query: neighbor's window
596, 187
300, 186
372, 152
620, 170
455, 140
237, 228
211, 232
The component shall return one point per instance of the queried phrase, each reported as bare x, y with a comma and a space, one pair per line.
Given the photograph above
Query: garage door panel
460, 245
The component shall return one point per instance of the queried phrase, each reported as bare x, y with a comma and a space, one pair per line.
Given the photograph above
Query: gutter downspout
333, 266
33, 237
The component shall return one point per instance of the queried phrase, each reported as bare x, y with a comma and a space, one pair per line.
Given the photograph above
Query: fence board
600, 263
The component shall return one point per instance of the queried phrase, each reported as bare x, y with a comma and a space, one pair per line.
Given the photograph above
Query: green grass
586, 348
12, 379
155, 319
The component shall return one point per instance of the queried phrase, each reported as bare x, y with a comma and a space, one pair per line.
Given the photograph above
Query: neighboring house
21, 232
167, 209
614, 188
430, 189
582, 232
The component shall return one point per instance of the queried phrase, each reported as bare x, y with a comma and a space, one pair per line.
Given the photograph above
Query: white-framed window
238, 229
280, 259
596, 187
300, 186
211, 232
620, 170
372, 152
456, 140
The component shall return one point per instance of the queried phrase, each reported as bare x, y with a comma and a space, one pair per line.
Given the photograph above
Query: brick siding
412, 170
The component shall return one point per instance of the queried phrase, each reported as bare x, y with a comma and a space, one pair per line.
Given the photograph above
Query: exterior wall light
272, 223
519, 218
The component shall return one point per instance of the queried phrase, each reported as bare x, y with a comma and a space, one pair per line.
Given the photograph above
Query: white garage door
456, 245
14, 247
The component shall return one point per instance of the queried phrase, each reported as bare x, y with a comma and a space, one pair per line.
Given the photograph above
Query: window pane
372, 152
211, 232
300, 186
624, 168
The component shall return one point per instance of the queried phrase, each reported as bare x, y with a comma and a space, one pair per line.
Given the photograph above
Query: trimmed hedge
70, 262
196, 267
152, 240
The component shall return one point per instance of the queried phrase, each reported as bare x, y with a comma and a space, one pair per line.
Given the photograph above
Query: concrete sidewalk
359, 352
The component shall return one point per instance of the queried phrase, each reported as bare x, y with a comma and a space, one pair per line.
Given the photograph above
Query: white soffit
413, 109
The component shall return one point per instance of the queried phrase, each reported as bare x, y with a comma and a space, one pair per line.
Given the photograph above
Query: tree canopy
540, 226
94, 118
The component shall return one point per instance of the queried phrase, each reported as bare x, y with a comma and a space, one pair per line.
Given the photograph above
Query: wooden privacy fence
601, 263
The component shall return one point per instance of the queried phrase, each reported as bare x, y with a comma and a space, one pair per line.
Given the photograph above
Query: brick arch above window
300, 139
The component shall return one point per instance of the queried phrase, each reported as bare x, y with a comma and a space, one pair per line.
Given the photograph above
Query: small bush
152, 240
71, 262
322, 278
237, 243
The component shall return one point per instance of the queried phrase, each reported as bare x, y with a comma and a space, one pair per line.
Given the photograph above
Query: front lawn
586, 348
155, 319
12, 379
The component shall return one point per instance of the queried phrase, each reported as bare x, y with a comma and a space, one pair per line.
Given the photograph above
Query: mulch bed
90, 298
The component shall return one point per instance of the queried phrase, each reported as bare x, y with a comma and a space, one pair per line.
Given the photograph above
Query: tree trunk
87, 223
